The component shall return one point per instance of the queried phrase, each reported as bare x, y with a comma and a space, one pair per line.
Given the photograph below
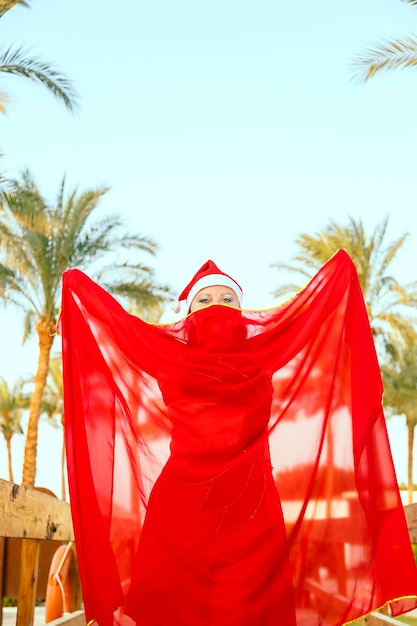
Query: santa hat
208, 275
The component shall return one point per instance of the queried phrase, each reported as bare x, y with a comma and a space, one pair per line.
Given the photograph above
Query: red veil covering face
233, 467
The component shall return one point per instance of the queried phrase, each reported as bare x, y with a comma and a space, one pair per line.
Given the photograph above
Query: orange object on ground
58, 590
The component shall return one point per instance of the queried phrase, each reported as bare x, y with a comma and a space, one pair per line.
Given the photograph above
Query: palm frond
19, 62
6, 5
134, 283
4, 99
27, 208
28, 324
387, 55
40, 240
96, 239
391, 305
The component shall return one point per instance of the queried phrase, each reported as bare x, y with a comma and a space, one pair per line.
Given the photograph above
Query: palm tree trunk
410, 462
46, 333
9, 458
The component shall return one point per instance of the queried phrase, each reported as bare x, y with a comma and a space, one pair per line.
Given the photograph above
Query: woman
179, 512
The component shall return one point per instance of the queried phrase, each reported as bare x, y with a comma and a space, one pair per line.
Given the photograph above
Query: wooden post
2, 556
28, 582
33, 516
410, 511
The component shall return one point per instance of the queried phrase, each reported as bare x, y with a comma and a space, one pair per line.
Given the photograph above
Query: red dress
232, 468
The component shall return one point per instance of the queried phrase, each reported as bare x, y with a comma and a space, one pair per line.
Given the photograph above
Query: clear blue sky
223, 128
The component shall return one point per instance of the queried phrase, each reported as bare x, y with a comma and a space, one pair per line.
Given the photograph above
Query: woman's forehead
217, 289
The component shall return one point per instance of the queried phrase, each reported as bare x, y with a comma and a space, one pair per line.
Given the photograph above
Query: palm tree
390, 305
399, 53
12, 402
400, 396
53, 407
19, 62
38, 241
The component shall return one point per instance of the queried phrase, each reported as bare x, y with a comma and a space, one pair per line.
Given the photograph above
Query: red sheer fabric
232, 468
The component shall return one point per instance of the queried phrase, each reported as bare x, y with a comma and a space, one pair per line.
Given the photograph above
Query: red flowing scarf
232, 467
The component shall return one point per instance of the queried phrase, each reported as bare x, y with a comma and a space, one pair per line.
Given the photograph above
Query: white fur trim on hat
214, 279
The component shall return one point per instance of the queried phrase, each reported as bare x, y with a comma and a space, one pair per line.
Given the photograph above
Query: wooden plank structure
36, 518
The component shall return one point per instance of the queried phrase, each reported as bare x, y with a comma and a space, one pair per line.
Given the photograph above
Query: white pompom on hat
208, 275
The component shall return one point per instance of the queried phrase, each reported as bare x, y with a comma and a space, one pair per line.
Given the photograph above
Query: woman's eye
203, 300
227, 299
